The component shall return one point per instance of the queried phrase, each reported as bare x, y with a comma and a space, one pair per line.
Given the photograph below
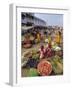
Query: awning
27, 27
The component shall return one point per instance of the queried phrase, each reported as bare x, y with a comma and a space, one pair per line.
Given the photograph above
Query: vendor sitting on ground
42, 52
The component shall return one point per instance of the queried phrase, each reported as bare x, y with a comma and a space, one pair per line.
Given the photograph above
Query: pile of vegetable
57, 65
34, 66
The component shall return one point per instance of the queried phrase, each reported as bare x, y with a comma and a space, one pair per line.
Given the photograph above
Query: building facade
29, 19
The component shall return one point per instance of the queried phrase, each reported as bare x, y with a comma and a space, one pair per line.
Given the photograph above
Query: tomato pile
44, 68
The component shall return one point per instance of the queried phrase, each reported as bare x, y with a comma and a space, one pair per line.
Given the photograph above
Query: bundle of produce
32, 72
29, 72
24, 62
35, 54
57, 65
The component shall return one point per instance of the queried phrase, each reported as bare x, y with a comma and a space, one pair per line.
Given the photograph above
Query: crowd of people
49, 43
